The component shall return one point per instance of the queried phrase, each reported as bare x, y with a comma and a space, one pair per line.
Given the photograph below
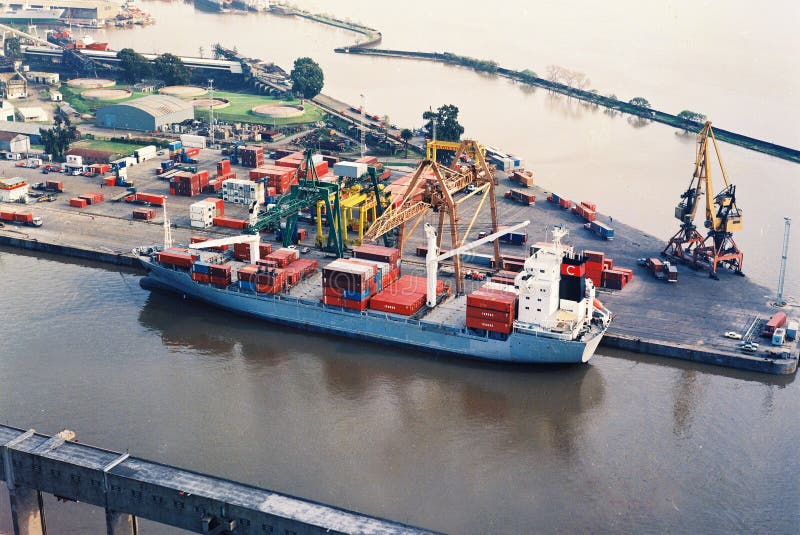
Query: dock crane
723, 216
432, 189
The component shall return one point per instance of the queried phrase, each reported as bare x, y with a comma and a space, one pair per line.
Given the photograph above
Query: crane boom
433, 257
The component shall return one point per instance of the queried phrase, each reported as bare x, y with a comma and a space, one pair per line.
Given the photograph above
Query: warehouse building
150, 113
29, 129
12, 142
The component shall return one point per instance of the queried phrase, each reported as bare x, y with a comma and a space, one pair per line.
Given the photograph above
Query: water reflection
540, 407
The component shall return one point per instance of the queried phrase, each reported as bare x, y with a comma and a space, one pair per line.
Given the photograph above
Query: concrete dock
651, 316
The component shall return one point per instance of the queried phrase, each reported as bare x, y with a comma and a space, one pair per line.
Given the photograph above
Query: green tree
639, 101
307, 78
688, 115
135, 65
447, 125
171, 70
56, 140
406, 135
11, 47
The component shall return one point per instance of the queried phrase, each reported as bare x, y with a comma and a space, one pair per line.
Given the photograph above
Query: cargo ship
548, 315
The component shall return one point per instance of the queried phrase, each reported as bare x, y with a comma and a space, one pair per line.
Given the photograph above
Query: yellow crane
723, 216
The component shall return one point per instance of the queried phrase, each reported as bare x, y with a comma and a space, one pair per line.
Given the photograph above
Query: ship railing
533, 331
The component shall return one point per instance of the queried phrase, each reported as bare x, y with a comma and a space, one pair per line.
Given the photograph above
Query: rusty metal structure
434, 186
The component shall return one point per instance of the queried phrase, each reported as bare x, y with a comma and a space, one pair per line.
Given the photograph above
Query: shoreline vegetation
575, 88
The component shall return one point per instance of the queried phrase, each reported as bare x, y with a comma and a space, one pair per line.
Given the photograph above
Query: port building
28, 129
150, 113
12, 142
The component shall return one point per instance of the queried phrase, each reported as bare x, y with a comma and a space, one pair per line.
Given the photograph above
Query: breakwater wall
780, 365
759, 145
117, 259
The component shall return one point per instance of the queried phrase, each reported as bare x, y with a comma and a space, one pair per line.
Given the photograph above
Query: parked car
733, 335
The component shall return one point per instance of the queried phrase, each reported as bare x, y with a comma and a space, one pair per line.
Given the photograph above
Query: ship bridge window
541, 271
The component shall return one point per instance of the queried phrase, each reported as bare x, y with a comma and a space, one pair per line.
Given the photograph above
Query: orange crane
723, 217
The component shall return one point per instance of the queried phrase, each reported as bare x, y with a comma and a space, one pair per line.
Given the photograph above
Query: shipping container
791, 330
145, 214
489, 325
775, 322
77, 202
601, 229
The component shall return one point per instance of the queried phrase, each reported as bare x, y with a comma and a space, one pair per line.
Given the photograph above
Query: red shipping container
403, 304
493, 300
590, 205
564, 203
199, 239
23, 217
7, 216
369, 160
176, 259
144, 213
356, 305
332, 292
477, 323
333, 301
201, 277
491, 315
150, 198
230, 222
78, 203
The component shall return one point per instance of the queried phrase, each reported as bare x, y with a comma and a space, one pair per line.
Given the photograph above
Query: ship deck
684, 320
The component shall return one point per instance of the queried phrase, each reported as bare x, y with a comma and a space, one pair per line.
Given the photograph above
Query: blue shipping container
201, 267
247, 285
602, 230
356, 296
174, 145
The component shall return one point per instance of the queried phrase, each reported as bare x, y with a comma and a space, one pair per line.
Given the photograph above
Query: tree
639, 101
447, 125
687, 115
11, 47
307, 78
406, 135
171, 70
135, 65
56, 140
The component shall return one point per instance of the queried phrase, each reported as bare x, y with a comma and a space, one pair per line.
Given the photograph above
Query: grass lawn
242, 103
237, 112
123, 149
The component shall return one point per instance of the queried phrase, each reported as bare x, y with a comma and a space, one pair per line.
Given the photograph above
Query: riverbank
591, 97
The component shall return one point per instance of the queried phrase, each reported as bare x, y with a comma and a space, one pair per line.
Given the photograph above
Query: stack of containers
504, 277
348, 284
387, 255
306, 266
292, 160
278, 178
282, 257
188, 184
595, 263
242, 191
405, 296
241, 251
586, 210
202, 214
220, 275
491, 309
252, 156
563, 202
201, 272
266, 282
176, 257
92, 198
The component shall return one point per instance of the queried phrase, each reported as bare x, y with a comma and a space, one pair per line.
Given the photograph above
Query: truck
21, 218
521, 196
523, 178
779, 336
146, 198
661, 270
775, 322
601, 229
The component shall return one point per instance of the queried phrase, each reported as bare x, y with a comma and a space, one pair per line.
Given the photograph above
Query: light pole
211, 110
363, 108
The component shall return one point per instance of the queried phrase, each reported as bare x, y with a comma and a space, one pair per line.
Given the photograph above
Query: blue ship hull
378, 327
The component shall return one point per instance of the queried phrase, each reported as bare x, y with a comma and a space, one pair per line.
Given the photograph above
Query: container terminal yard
707, 327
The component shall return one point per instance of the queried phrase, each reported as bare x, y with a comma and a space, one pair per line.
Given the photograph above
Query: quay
129, 488
678, 321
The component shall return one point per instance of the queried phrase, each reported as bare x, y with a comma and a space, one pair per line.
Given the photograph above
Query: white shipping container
316, 158
791, 330
349, 169
201, 224
189, 140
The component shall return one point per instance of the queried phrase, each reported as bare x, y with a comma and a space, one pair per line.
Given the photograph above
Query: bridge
129, 488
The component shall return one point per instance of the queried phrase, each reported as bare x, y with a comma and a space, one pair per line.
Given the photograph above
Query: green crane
305, 194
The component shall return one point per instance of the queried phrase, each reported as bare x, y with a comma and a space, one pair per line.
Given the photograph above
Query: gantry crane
723, 217
437, 185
